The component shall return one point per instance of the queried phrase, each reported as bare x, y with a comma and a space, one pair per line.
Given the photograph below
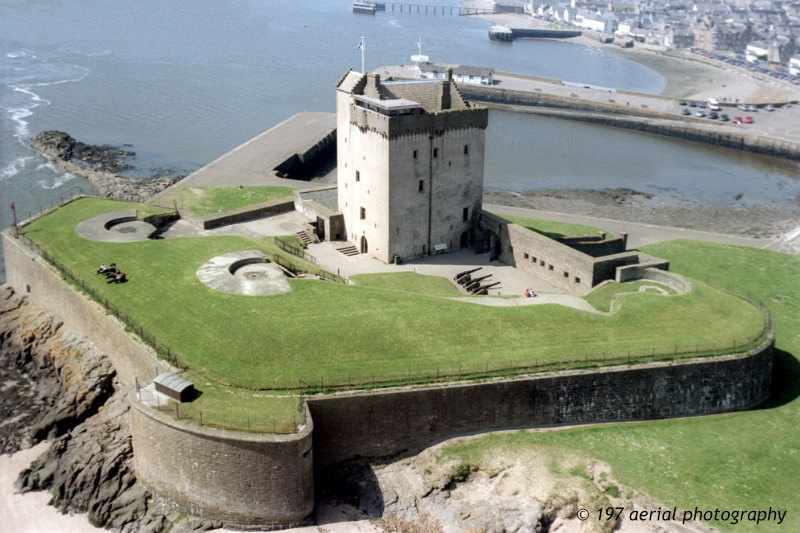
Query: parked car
713, 115
683, 103
686, 111
692, 104
701, 105
743, 107
700, 114
736, 120
725, 118
748, 119
770, 107
751, 107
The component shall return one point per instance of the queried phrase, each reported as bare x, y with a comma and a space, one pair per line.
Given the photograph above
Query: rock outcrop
100, 165
57, 385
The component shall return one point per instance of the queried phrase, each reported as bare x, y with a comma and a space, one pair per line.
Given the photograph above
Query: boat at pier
365, 7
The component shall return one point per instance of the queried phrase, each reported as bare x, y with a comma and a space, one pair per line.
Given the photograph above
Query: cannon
483, 289
465, 276
475, 282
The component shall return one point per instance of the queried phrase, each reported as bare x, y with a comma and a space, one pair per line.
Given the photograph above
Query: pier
421, 9
502, 33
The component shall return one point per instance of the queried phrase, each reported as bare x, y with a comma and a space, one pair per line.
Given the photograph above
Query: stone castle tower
410, 165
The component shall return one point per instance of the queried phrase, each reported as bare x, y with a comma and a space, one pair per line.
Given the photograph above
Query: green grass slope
738, 461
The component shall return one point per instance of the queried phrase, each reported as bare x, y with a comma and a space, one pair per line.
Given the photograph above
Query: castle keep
410, 165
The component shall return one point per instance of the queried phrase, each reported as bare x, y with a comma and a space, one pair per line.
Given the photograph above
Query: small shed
174, 386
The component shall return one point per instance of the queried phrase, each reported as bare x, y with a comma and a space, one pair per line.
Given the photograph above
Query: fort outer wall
244, 480
389, 422
266, 481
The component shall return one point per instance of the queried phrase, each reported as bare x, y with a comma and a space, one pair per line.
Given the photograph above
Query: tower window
435, 152
363, 213
421, 185
465, 214
466, 149
358, 175
415, 154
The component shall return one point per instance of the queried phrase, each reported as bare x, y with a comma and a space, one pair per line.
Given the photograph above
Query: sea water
182, 82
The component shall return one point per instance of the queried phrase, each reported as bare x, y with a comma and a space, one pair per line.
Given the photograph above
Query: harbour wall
644, 120
267, 481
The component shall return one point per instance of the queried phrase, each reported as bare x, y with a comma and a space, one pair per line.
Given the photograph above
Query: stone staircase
348, 250
305, 239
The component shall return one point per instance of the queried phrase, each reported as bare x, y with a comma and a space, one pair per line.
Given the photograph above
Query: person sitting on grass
102, 270
119, 277
111, 271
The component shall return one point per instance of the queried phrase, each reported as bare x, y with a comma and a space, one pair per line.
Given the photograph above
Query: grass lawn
553, 229
382, 328
747, 460
207, 200
603, 297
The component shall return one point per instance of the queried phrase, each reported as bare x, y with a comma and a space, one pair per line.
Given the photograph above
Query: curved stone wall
387, 422
246, 481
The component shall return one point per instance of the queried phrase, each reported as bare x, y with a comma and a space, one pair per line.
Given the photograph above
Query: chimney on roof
373, 85
444, 95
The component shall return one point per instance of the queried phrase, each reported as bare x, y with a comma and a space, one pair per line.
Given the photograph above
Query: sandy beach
30, 513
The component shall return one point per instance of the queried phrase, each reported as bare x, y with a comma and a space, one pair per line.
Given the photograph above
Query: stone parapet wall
242, 214
30, 275
388, 422
245, 480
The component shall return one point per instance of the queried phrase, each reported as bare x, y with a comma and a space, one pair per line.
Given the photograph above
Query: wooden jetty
421, 8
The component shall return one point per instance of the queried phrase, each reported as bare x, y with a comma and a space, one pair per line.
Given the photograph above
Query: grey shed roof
173, 382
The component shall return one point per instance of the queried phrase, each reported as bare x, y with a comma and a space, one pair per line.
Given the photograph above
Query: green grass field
207, 200
382, 329
554, 229
738, 461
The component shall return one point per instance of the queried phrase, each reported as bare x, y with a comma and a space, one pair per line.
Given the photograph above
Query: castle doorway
320, 228
464, 240
363, 244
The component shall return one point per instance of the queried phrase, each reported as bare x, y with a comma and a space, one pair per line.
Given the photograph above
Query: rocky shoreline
58, 386
756, 221
100, 165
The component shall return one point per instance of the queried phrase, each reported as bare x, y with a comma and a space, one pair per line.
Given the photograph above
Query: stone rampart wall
29, 274
243, 214
247, 481
387, 422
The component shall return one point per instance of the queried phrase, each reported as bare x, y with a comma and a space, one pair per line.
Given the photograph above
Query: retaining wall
30, 275
247, 481
242, 214
387, 422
